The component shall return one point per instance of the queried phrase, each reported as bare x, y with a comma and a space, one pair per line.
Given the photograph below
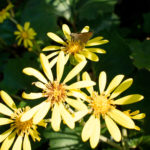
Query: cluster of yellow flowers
66, 101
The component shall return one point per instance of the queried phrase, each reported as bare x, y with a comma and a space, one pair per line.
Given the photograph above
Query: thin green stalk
124, 139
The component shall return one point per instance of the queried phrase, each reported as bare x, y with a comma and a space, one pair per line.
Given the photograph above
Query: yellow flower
104, 105
76, 45
4, 14
25, 34
136, 115
57, 93
19, 130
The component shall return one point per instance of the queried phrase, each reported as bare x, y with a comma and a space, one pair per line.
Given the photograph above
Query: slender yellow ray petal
79, 57
33, 72
29, 114
121, 88
8, 100
42, 112
18, 143
114, 83
134, 112
113, 128
52, 55
51, 48
129, 99
67, 58
8, 141
81, 84
85, 76
102, 81
137, 128
56, 118
53, 62
60, 65
39, 85
5, 134
42, 123
75, 71
26, 26
88, 129
139, 116
77, 94
56, 38
66, 31
89, 55
89, 43
80, 114
35, 135
19, 27
26, 143
94, 139
5, 110
4, 121
95, 39
95, 50
121, 118
66, 116
77, 104
85, 29
46, 67
32, 95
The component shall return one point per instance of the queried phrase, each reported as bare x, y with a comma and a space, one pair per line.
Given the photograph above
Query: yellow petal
8, 141
42, 112
5, 110
66, 31
85, 76
56, 118
51, 48
94, 43
53, 62
26, 26
46, 67
137, 128
134, 112
77, 94
96, 39
75, 71
85, 29
114, 83
79, 57
139, 116
18, 143
66, 116
56, 38
121, 88
4, 121
26, 143
94, 139
90, 55
80, 114
8, 100
88, 129
121, 118
60, 65
129, 99
95, 50
52, 55
102, 81
19, 27
77, 104
33, 72
39, 85
113, 128
29, 114
32, 95
81, 84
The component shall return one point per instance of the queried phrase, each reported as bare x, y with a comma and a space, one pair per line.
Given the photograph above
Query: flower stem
13, 20
108, 141
124, 139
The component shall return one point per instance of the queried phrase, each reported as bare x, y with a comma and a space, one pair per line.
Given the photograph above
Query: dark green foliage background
125, 23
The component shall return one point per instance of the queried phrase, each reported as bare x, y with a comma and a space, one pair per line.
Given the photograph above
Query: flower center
24, 35
100, 104
21, 127
74, 47
55, 92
